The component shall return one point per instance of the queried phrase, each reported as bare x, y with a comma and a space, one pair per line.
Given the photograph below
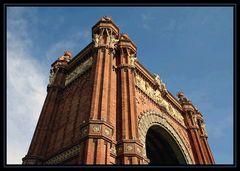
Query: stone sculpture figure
157, 79
132, 58
51, 76
96, 38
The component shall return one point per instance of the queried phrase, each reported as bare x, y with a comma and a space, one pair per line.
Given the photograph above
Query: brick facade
101, 103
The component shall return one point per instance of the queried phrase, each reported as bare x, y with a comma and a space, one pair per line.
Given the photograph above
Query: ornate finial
182, 97
68, 53
66, 57
106, 18
180, 94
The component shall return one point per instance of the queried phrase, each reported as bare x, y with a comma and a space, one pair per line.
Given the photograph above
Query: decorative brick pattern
64, 155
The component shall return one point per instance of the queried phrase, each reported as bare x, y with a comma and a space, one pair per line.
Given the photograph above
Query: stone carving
129, 148
203, 128
144, 123
64, 155
194, 118
140, 82
96, 38
52, 75
66, 57
137, 79
106, 18
113, 149
79, 70
111, 39
155, 95
157, 79
107, 132
182, 98
160, 83
96, 128
132, 58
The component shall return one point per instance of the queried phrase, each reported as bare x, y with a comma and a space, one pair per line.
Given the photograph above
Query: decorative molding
107, 132
129, 148
64, 155
96, 128
150, 118
79, 70
156, 96
139, 150
113, 150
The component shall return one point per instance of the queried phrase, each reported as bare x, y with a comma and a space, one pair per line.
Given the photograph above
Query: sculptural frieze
159, 82
79, 70
155, 95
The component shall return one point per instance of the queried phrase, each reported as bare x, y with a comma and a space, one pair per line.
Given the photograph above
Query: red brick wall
73, 108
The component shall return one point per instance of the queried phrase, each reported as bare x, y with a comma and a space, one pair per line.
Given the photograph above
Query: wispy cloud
26, 86
70, 42
146, 19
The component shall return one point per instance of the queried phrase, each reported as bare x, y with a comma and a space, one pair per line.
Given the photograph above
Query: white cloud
26, 79
26, 87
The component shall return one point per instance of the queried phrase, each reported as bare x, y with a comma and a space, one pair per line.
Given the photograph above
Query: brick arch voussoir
148, 118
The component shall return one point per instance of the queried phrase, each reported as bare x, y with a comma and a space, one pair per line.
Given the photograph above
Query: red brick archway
151, 118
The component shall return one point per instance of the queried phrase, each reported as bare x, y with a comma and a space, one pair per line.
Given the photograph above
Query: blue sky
191, 48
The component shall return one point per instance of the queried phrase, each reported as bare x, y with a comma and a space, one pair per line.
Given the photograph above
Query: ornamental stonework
156, 96
95, 128
64, 155
149, 118
79, 70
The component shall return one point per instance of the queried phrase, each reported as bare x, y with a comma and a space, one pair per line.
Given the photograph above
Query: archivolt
150, 118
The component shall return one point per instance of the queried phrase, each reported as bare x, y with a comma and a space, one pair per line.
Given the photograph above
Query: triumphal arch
103, 107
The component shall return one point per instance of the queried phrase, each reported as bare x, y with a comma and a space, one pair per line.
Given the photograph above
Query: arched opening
161, 148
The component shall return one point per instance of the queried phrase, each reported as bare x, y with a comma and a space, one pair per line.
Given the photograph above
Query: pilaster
128, 147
